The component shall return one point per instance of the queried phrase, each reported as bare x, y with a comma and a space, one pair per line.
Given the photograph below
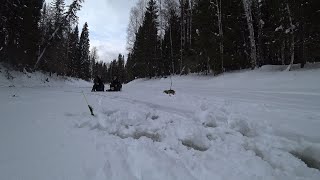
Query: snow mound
12, 78
215, 134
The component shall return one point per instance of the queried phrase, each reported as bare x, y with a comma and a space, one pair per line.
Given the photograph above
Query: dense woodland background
164, 37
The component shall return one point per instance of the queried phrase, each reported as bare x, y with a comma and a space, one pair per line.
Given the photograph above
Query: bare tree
135, 21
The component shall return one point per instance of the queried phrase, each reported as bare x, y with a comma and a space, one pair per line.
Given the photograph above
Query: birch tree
260, 24
218, 8
292, 27
248, 12
135, 21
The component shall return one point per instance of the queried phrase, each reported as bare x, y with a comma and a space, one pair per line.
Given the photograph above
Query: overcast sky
107, 21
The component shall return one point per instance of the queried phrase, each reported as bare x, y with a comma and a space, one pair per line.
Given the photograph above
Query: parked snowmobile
115, 85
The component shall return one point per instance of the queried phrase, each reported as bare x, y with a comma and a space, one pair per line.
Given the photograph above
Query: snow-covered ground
261, 124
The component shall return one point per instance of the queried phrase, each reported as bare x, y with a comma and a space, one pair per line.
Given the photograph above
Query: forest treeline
164, 37
35, 35
214, 36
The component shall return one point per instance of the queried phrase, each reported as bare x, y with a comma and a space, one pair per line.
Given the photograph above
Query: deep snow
261, 124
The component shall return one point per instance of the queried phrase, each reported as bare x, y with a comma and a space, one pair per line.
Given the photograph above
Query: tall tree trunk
283, 45
161, 29
182, 34
191, 14
303, 60
171, 49
208, 65
219, 10
247, 9
292, 38
260, 59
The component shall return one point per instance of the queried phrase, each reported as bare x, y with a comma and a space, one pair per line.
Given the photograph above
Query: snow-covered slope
261, 124
37, 79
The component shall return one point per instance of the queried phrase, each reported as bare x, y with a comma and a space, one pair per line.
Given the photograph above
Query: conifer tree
151, 43
84, 46
55, 58
19, 31
121, 69
129, 68
205, 43
171, 44
31, 14
73, 53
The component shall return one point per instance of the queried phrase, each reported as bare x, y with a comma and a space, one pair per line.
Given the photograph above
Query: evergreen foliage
194, 40
29, 27
84, 50
196, 36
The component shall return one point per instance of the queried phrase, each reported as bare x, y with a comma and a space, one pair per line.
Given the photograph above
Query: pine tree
56, 57
139, 65
19, 31
217, 36
235, 46
93, 59
14, 31
121, 69
3, 33
73, 53
129, 68
30, 40
171, 45
61, 21
113, 69
84, 46
205, 44
9, 31
151, 43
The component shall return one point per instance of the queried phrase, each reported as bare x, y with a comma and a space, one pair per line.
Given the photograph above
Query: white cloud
107, 20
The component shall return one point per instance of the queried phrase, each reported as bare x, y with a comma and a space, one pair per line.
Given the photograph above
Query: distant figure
98, 84
115, 84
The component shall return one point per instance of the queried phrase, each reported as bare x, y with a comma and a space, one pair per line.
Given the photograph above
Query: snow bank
10, 78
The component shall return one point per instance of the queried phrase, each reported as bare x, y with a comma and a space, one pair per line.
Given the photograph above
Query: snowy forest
215, 36
159, 89
163, 37
39, 36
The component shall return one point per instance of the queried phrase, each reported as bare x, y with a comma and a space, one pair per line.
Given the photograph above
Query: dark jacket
115, 85
98, 85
